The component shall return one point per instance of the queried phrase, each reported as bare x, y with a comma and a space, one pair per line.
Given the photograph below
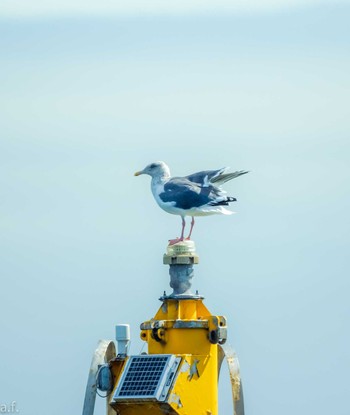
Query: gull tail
222, 201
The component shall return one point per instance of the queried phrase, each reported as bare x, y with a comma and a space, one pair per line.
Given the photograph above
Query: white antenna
122, 335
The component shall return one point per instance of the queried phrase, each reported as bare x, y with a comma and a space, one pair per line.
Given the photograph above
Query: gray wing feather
205, 177
186, 194
223, 178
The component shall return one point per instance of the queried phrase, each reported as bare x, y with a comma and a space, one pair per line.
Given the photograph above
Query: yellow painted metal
195, 390
182, 327
117, 365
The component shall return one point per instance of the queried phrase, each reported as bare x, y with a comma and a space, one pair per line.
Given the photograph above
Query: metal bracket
104, 352
217, 329
158, 335
188, 259
226, 351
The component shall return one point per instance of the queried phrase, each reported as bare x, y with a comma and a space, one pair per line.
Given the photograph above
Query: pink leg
183, 228
192, 224
175, 241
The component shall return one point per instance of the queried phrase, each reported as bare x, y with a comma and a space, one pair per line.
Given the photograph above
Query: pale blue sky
86, 101
80, 8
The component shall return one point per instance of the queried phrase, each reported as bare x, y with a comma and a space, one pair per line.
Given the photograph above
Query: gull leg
183, 228
175, 241
192, 224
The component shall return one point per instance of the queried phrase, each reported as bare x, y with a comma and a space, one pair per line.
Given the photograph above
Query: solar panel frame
147, 377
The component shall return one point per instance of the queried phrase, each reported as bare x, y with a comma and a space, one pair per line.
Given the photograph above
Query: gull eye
153, 165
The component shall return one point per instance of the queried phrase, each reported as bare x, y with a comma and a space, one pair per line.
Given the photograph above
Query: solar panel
147, 377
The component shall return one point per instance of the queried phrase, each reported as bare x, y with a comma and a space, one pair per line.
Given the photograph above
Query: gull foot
175, 241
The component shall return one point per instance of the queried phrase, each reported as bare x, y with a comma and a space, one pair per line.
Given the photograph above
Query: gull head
158, 169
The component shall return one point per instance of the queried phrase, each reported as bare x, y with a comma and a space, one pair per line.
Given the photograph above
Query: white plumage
199, 194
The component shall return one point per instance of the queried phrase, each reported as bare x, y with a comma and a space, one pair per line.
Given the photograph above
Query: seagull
199, 194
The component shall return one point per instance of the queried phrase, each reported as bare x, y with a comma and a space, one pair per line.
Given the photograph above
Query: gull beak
138, 173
